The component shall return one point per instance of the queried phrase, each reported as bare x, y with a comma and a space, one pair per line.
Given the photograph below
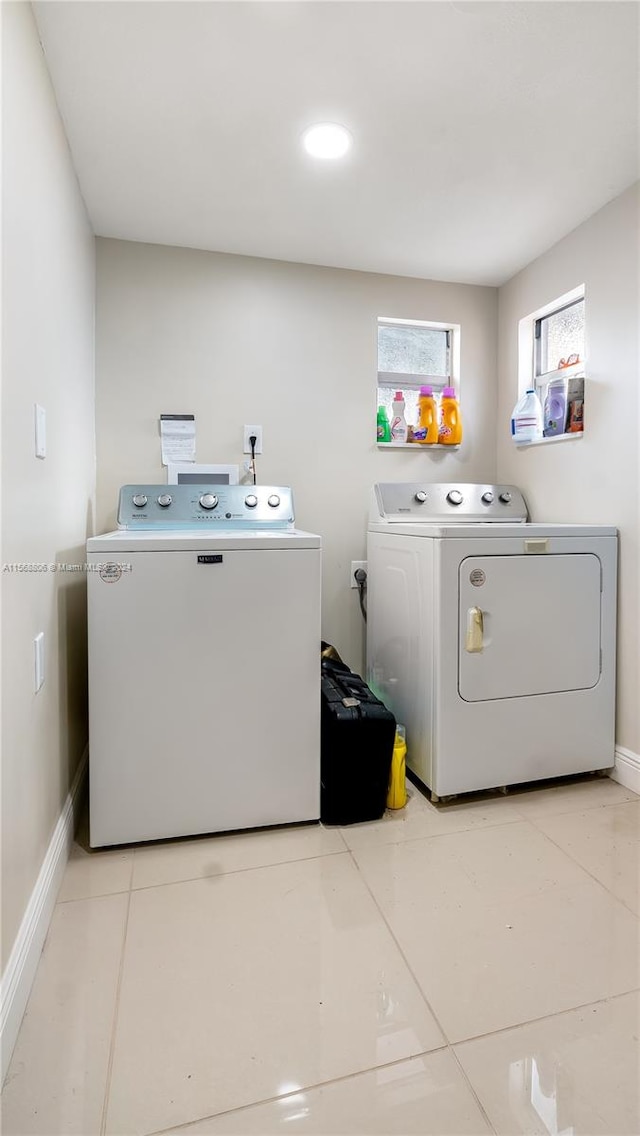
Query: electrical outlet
355, 564
248, 432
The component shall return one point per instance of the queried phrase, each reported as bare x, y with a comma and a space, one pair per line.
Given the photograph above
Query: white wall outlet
41, 432
38, 658
248, 431
355, 564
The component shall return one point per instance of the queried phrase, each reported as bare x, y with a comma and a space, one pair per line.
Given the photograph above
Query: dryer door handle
475, 630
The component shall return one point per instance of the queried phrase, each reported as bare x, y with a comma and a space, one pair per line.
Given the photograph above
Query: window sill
432, 447
550, 441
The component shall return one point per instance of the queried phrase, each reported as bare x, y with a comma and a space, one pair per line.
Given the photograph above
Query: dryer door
528, 625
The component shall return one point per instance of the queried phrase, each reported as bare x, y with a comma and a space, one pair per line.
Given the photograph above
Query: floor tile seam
240, 871
303, 1089
95, 895
448, 1045
584, 808
401, 952
543, 1018
472, 1089
114, 1020
588, 873
365, 846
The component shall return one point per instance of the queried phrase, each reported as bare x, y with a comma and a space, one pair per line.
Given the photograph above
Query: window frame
538, 373
415, 380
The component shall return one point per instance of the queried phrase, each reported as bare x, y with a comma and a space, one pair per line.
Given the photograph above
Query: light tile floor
470, 968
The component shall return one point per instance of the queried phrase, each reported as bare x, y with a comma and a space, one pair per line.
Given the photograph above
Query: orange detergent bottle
426, 432
450, 433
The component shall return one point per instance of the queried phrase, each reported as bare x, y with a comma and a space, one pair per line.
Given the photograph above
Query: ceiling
483, 132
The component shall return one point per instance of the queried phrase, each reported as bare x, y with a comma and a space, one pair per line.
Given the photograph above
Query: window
411, 354
559, 339
551, 356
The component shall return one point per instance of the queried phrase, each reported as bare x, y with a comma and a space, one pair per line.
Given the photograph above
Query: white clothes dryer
204, 664
490, 638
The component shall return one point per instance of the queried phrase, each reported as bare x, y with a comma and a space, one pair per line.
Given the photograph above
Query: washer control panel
447, 502
195, 506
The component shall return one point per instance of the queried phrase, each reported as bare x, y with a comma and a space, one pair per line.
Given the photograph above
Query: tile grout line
116, 1009
544, 1018
435, 1017
286, 1096
582, 867
213, 876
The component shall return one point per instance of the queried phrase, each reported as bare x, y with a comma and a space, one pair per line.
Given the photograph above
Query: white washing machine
490, 638
204, 664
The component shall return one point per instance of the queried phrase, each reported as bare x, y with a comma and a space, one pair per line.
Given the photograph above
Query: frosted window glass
412, 350
562, 334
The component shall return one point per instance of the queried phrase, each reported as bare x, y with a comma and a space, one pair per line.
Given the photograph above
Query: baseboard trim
20, 970
626, 770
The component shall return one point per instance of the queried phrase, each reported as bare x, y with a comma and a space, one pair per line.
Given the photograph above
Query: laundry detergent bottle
526, 420
383, 429
450, 432
398, 422
426, 432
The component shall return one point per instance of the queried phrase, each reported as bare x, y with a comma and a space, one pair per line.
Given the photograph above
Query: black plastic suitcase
357, 736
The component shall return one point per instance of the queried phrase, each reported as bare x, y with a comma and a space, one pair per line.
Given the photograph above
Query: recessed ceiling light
327, 140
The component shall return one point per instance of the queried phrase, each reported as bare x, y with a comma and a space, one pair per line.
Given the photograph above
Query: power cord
253, 438
360, 577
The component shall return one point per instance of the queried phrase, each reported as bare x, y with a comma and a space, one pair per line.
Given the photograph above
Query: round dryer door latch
164, 500
421, 496
505, 497
208, 501
251, 501
273, 500
140, 500
454, 497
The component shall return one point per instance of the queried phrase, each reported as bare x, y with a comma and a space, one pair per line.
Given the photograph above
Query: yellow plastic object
450, 420
397, 795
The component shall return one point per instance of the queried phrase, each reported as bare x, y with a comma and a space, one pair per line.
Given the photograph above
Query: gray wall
595, 479
48, 263
292, 347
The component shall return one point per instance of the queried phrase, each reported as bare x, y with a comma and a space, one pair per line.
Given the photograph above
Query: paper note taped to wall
178, 437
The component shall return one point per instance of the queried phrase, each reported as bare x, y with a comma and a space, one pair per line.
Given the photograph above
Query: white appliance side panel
204, 693
479, 745
400, 637
540, 625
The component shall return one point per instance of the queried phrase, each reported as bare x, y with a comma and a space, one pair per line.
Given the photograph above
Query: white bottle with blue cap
526, 420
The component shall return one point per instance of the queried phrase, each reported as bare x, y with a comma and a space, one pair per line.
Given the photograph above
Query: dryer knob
273, 500
505, 497
488, 497
251, 501
208, 501
140, 500
421, 496
454, 497
164, 500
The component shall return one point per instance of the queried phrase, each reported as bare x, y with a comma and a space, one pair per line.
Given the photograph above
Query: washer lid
197, 540
446, 503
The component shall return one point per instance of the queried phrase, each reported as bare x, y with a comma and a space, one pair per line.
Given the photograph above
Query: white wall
47, 506
235, 339
595, 479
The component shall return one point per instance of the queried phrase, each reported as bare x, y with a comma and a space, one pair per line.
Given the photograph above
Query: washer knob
140, 500
421, 496
251, 501
505, 497
208, 501
164, 500
454, 497
487, 497
273, 500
